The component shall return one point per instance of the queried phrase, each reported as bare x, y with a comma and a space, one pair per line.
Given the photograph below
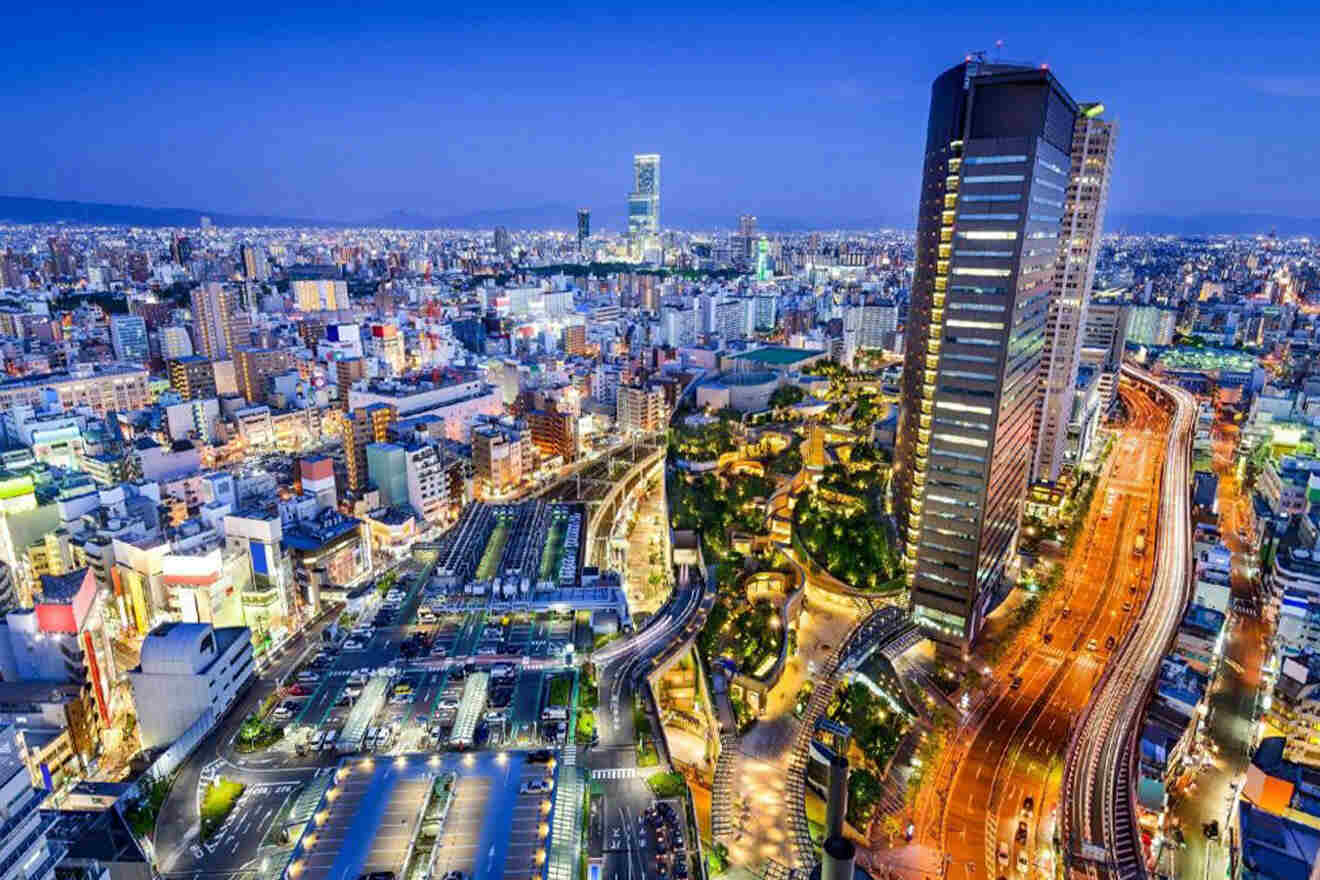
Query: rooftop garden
710, 505
839, 525
877, 727
706, 441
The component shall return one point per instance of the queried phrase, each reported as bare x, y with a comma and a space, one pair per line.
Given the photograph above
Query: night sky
813, 114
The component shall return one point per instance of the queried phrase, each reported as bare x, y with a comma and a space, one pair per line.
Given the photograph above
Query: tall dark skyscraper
584, 227
998, 145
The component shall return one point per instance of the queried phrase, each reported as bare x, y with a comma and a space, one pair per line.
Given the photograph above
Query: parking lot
457, 845
495, 828
427, 652
366, 822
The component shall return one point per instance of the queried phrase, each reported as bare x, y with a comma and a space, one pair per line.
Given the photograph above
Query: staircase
722, 788
795, 791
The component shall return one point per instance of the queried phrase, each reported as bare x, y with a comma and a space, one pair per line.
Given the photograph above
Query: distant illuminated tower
644, 204
584, 227
1083, 221
746, 236
762, 253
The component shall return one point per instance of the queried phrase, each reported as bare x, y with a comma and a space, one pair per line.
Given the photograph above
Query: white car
448, 703
535, 786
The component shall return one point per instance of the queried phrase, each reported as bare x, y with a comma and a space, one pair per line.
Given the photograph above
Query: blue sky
814, 113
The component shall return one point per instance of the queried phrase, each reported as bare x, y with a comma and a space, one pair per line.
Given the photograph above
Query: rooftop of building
96, 371
10, 760
1273, 846
394, 516
778, 355
59, 589
173, 643
1202, 620
40, 737
314, 533
94, 835
417, 383
16, 695
1207, 360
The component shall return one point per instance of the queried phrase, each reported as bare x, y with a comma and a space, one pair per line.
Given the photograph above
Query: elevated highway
1098, 794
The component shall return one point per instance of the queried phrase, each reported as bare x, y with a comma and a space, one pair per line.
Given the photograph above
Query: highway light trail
1098, 810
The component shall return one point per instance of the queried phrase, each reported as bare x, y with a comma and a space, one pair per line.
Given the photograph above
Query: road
622, 667
176, 828
1205, 796
1098, 791
1012, 744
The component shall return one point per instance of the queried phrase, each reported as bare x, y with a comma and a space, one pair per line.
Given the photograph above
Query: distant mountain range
1212, 224
18, 209
552, 215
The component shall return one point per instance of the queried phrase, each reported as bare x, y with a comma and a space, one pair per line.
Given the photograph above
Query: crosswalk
616, 773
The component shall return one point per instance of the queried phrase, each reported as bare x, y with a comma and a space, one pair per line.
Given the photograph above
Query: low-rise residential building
24, 850
500, 456
1278, 817
186, 671
1213, 585
1294, 708
1200, 638
641, 409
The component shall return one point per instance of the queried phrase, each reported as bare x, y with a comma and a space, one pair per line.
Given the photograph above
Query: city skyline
931, 489
841, 114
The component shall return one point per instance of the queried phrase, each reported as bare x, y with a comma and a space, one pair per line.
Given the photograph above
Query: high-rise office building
63, 261
192, 377
1104, 338
998, 150
502, 241
574, 339
554, 433
219, 321
644, 204
128, 337
501, 454
253, 366
174, 342
181, 249
348, 371
255, 267
1083, 221
358, 430
320, 294
745, 242
640, 409
584, 228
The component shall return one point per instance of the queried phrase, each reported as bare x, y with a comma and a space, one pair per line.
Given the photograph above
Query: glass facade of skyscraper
996, 171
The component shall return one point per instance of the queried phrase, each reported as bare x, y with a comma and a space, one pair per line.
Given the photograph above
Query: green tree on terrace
786, 395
